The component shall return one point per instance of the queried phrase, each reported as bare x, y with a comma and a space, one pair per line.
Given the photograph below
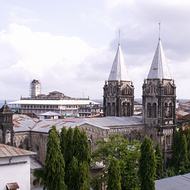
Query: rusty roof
10, 151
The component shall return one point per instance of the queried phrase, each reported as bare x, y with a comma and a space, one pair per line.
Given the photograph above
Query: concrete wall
12, 172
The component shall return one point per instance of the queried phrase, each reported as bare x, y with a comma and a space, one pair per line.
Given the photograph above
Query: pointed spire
159, 68
118, 70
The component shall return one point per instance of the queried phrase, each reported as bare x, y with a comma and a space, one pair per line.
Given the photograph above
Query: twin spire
118, 70
158, 69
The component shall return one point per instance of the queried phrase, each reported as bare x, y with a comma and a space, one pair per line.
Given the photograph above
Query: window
154, 110
12, 186
149, 114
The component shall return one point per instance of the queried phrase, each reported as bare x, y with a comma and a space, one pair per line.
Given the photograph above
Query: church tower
6, 125
159, 100
118, 90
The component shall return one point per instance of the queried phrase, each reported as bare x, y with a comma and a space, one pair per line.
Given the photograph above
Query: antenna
159, 28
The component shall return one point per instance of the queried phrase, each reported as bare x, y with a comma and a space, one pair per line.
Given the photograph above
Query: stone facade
6, 125
118, 98
159, 100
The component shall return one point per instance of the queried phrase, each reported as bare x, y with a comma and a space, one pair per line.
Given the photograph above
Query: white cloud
39, 54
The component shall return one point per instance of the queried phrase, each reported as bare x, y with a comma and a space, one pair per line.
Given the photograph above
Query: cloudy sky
70, 45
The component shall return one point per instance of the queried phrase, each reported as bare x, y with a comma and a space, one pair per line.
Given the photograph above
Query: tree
127, 153
63, 141
54, 163
180, 159
183, 160
147, 165
69, 146
73, 175
84, 181
159, 163
114, 176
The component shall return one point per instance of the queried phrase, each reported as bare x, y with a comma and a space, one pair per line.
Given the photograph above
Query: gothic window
170, 109
113, 109
154, 110
166, 110
123, 108
149, 113
128, 109
109, 109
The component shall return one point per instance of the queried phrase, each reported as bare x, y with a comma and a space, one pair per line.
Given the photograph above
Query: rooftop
53, 102
10, 151
180, 182
25, 123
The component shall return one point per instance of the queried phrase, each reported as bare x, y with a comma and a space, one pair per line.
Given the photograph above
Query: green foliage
63, 141
159, 163
114, 176
76, 152
183, 164
147, 165
127, 153
180, 159
40, 176
73, 175
84, 181
96, 182
54, 163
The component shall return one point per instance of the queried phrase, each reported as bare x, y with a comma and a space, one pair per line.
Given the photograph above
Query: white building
14, 168
66, 107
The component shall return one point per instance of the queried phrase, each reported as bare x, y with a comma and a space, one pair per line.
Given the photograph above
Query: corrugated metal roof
50, 113
53, 102
25, 123
180, 182
10, 151
159, 68
118, 70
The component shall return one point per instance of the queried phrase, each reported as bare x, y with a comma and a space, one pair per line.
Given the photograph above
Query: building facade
14, 168
6, 125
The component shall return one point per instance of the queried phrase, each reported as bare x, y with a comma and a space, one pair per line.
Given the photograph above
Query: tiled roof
10, 151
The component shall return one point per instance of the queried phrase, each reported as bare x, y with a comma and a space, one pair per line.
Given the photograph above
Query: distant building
14, 168
35, 88
55, 102
6, 125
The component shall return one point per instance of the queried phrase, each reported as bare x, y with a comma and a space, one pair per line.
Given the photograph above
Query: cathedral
158, 120
158, 97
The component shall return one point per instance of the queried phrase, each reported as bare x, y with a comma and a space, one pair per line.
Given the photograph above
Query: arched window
149, 114
128, 109
108, 109
170, 109
124, 109
166, 110
154, 110
113, 109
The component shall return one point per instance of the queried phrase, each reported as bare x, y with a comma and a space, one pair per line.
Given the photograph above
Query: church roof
118, 70
159, 69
